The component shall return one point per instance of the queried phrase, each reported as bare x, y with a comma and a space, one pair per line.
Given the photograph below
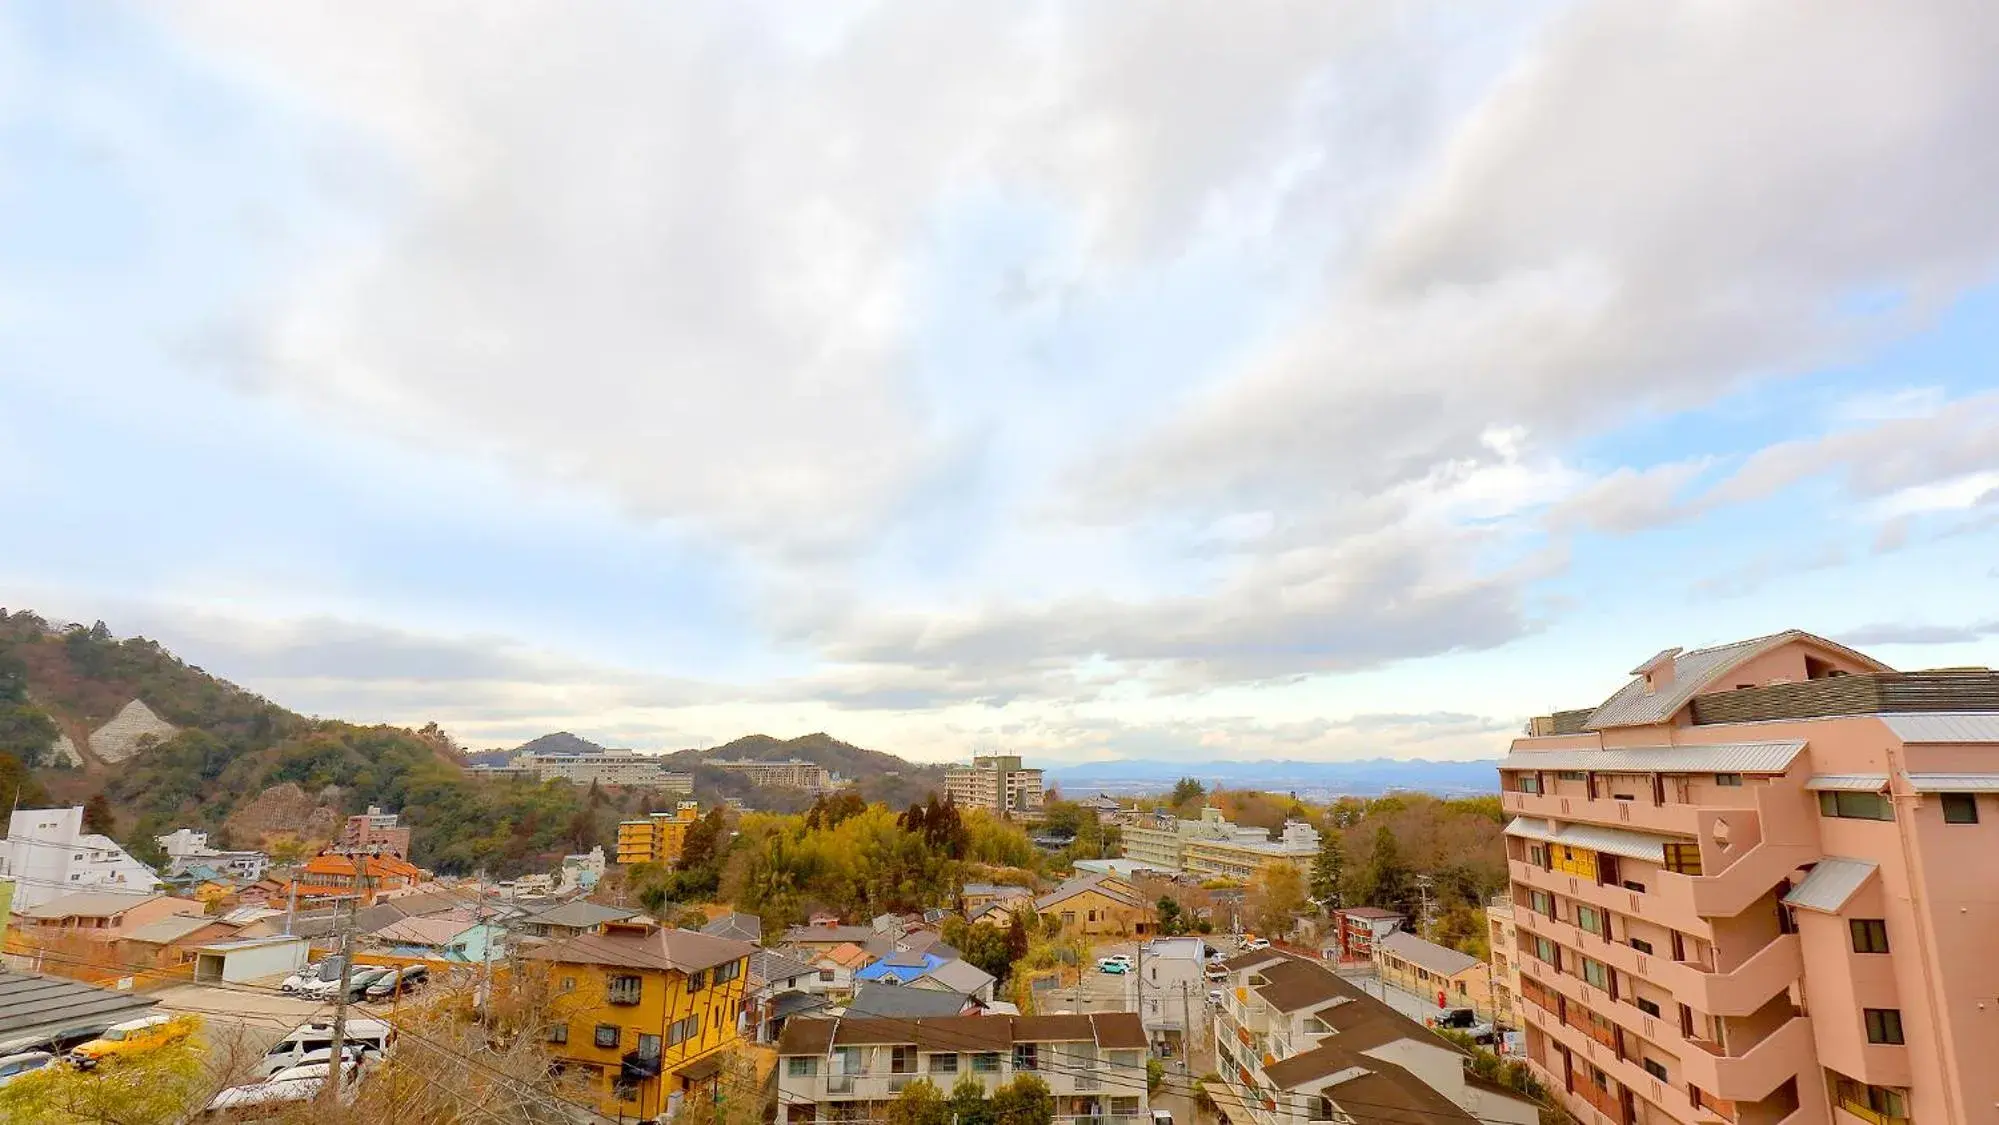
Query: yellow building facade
646, 1012
1098, 906
658, 837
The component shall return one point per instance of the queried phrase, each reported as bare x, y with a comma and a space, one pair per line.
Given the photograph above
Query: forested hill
84, 713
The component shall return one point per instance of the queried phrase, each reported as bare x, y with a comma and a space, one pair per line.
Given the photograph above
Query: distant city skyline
1306, 383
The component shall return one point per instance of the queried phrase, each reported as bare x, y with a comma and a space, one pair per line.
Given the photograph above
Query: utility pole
1423, 921
337, 1042
1187, 1039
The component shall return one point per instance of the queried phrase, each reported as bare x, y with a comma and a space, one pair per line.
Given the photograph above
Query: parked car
363, 979
58, 1044
1466, 1020
1216, 972
409, 978
289, 1087
317, 972
26, 1062
313, 1042
1112, 965
130, 1038
1252, 944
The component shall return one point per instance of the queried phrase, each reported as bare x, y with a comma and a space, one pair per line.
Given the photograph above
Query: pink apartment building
1760, 884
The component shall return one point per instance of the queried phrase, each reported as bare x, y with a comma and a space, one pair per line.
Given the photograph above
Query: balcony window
1683, 859
1590, 918
902, 1060
1641, 945
1530, 783
623, 989
1656, 1069
1870, 935
1884, 1025
1878, 1104
1547, 951
1542, 903
801, 1067
1595, 973
1537, 854
1855, 806
1124, 1107
1960, 808
1648, 1007
1729, 780
649, 1047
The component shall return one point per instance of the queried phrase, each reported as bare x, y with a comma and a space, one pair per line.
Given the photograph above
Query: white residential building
1296, 1043
187, 847
48, 855
1172, 994
851, 1068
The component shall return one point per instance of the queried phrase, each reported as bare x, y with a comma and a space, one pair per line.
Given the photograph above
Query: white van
375, 1038
279, 1093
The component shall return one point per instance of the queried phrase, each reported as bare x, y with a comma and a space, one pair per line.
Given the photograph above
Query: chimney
1658, 671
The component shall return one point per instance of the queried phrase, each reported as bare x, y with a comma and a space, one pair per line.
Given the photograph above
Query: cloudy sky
1088, 379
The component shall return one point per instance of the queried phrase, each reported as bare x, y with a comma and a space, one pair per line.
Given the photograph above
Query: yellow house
647, 1010
1098, 905
657, 837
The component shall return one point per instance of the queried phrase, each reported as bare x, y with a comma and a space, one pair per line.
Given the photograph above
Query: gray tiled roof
1982, 726
1720, 757
878, 999
1427, 954
33, 1004
92, 904
1632, 706
960, 976
1829, 884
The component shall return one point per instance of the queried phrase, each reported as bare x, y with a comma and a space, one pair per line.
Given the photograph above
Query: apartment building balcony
1668, 901
1628, 1073
1753, 1073
1640, 815
1739, 886
1738, 992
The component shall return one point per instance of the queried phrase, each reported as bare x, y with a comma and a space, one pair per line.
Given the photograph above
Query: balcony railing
840, 1083
1869, 1114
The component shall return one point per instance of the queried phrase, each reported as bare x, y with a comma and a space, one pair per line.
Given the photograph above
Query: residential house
1098, 906
573, 919
1756, 883
898, 967
781, 985
974, 898
894, 1001
580, 873
1172, 991
737, 927
105, 915
187, 847
361, 875
836, 968
850, 1068
824, 938
960, 978
451, 936
1356, 929
647, 1010
48, 854
1297, 1043
1435, 972
173, 940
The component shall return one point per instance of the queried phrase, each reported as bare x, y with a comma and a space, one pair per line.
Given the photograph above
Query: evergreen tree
1186, 790
1387, 880
1329, 870
97, 816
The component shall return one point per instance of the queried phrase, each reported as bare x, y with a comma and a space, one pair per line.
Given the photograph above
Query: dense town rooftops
1108, 1030
663, 950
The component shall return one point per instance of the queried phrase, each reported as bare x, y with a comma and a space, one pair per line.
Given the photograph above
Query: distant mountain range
1363, 778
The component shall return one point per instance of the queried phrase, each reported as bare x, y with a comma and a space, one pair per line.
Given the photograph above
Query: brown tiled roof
1254, 958
806, 1037
1393, 1096
1294, 985
1053, 1029
1310, 1066
666, 950
1119, 1030
1490, 1086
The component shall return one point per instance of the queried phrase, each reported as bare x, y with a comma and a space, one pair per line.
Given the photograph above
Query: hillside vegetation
256, 774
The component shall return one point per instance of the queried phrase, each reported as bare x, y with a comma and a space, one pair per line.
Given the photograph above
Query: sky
1084, 380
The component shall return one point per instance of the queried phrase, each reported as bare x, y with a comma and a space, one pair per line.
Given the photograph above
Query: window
1960, 808
1647, 1006
1634, 885
1656, 1069
1125, 1060
1530, 783
1589, 918
648, 1046
623, 989
607, 1036
986, 1062
1870, 935
681, 1031
1876, 1101
726, 973
1537, 854
697, 981
1683, 859
1884, 1025
1542, 902
1855, 806
1024, 1057
568, 984
1595, 973
1068, 917
1733, 780
826, 975
801, 1067
1641, 945
558, 1033
1124, 1107
1571, 775
902, 1060
1546, 951
943, 1064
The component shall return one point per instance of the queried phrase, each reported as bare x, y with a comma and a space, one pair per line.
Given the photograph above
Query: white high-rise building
48, 855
